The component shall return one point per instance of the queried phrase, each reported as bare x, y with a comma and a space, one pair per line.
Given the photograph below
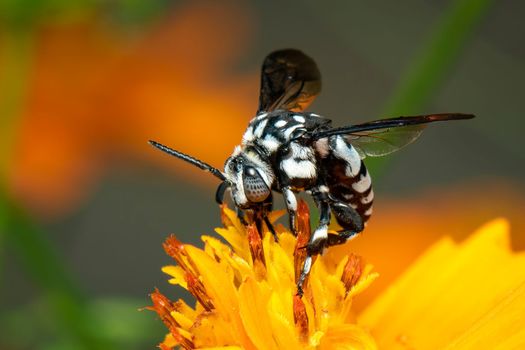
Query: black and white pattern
271, 130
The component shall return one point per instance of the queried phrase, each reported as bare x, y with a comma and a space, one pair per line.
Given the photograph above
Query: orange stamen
256, 248
300, 318
352, 271
197, 289
163, 306
176, 250
303, 236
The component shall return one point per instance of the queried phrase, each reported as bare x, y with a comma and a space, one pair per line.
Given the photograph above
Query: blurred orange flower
95, 93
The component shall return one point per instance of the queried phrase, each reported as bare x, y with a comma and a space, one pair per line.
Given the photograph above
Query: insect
287, 150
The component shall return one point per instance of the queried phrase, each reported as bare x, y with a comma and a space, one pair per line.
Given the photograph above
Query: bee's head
246, 172
249, 176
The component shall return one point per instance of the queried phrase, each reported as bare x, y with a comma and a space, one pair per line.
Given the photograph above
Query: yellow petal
238, 267
364, 282
279, 267
184, 321
177, 274
220, 289
211, 331
282, 322
448, 289
254, 315
232, 218
503, 327
169, 341
347, 337
237, 240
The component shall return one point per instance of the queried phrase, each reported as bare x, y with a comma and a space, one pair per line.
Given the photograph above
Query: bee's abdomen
356, 191
347, 177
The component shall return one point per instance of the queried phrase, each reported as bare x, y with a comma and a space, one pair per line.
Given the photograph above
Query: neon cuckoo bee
287, 150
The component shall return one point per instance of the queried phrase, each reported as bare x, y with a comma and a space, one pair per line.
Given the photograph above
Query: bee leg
271, 228
349, 219
267, 207
260, 215
291, 206
219, 195
240, 216
258, 219
318, 240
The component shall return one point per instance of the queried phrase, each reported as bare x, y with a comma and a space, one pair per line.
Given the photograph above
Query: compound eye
254, 187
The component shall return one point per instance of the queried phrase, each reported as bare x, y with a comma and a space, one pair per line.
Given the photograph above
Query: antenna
198, 163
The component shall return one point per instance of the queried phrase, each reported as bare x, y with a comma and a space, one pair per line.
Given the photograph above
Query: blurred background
86, 203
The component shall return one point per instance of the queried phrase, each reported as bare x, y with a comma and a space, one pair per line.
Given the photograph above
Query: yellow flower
456, 296
246, 292
468, 295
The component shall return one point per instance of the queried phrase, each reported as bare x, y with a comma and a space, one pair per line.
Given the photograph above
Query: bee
288, 150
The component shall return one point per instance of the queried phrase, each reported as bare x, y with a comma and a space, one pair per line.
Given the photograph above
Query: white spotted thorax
272, 147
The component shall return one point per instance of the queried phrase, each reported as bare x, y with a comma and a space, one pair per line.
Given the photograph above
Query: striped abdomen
347, 176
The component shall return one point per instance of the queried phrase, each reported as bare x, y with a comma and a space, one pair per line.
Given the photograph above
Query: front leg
318, 240
240, 216
260, 215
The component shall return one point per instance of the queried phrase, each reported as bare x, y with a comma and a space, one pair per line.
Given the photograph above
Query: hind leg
349, 219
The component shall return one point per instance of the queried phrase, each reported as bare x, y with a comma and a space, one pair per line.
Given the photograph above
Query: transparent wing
289, 80
377, 143
382, 137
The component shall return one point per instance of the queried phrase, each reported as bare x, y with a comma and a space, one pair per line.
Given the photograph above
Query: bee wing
380, 142
382, 137
289, 80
